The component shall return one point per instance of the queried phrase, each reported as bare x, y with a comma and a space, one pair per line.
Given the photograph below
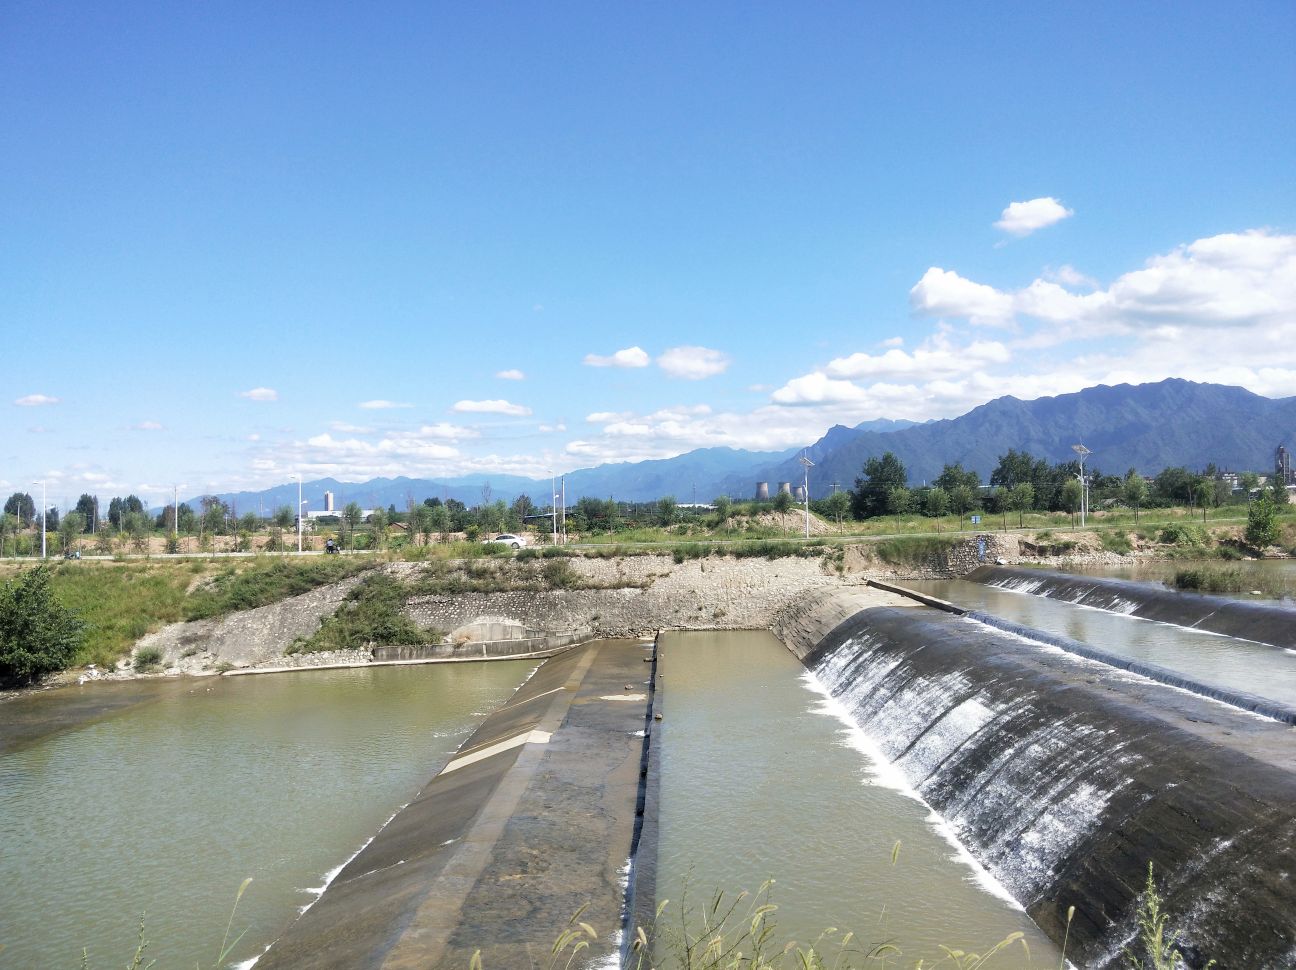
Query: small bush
1182, 534
559, 574
147, 658
1117, 542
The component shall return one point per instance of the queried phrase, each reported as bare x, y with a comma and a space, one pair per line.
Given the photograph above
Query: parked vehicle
507, 539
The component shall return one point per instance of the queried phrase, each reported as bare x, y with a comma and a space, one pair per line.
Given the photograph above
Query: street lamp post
553, 505
44, 516
1084, 453
806, 465
299, 514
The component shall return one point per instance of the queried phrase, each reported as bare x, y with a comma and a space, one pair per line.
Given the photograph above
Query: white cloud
693, 363
491, 407
512, 374
552, 428
1233, 280
1023, 218
254, 437
346, 427
818, 388
147, 426
35, 400
893, 342
1068, 275
936, 356
381, 405
629, 357
943, 293
260, 394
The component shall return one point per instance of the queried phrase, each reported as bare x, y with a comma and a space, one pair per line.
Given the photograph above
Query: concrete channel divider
533, 817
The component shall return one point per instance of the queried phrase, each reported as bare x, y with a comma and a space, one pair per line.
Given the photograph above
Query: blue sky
226, 228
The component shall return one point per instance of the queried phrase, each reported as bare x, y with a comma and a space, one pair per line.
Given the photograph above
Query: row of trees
1022, 482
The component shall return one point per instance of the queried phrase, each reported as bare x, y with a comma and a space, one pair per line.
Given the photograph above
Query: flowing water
761, 778
165, 807
1243, 665
1260, 576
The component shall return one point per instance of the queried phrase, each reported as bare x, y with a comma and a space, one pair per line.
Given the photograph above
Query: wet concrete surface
532, 819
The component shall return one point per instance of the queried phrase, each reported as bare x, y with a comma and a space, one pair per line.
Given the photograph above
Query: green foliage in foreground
372, 613
741, 933
235, 588
38, 635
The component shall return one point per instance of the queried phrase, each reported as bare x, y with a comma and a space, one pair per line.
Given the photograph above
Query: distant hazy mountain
1145, 426
1148, 427
699, 472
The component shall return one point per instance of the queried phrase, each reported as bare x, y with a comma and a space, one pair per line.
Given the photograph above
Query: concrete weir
534, 817
1262, 622
1066, 777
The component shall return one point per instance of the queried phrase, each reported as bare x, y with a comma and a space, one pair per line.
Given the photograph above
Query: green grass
913, 550
244, 587
1117, 541
120, 602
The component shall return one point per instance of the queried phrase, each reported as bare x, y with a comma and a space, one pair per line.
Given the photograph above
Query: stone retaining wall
702, 594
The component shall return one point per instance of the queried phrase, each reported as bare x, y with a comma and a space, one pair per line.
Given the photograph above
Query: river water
165, 806
760, 779
1244, 665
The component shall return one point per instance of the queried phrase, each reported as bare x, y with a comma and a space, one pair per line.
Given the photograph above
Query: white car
507, 539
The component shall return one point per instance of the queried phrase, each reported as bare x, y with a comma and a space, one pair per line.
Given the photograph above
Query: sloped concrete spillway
1263, 622
1066, 777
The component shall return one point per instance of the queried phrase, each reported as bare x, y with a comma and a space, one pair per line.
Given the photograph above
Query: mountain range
1146, 426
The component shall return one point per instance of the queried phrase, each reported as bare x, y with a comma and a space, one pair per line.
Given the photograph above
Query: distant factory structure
762, 491
1283, 466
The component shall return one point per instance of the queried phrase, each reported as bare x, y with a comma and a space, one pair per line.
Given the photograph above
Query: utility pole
299, 515
806, 465
553, 505
44, 516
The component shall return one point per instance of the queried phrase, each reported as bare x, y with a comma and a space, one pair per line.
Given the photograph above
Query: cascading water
1065, 780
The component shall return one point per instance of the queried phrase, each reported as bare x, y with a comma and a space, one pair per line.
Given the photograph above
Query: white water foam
882, 772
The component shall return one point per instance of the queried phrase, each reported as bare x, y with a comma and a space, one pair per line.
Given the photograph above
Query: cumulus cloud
147, 426
381, 405
693, 363
1220, 309
260, 394
35, 400
942, 293
512, 374
552, 428
1023, 218
491, 407
1231, 280
629, 357
935, 357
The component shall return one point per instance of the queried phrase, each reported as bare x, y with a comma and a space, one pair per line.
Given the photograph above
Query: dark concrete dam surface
532, 819
1263, 622
1066, 777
